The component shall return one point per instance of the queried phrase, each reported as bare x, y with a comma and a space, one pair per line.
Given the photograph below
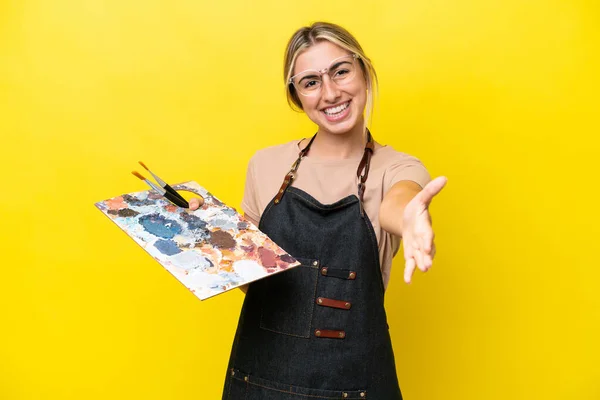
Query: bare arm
393, 204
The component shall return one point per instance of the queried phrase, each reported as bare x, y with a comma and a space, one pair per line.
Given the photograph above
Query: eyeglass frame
321, 72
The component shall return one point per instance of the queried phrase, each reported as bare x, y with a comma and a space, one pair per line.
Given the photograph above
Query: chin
340, 128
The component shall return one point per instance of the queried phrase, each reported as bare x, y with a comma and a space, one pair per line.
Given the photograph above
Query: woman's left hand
417, 233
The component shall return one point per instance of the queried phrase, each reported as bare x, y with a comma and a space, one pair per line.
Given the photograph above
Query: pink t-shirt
331, 180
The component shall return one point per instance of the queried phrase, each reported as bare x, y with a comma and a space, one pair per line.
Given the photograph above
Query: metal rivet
315, 263
341, 334
320, 300
246, 378
276, 201
348, 305
352, 275
344, 395
317, 333
362, 394
232, 373
324, 271
281, 191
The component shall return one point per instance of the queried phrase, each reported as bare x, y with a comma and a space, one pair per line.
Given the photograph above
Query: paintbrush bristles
138, 175
144, 165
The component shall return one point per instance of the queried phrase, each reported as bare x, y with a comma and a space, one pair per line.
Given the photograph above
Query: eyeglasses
341, 71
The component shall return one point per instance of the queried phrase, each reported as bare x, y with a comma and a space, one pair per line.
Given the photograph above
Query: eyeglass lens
341, 71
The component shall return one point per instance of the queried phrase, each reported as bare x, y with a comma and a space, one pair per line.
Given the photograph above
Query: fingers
426, 248
417, 257
414, 259
420, 259
195, 203
409, 269
427, 262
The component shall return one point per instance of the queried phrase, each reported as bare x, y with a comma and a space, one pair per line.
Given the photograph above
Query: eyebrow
334, 66
337, 64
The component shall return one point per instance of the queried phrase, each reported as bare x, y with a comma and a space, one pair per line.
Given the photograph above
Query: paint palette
211, 250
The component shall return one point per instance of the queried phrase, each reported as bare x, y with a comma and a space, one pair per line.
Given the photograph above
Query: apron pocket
263, 389
289, 300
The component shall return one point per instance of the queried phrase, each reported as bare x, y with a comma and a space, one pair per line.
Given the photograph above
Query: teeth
336, 110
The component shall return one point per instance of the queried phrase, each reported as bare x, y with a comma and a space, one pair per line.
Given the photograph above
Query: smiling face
338, 107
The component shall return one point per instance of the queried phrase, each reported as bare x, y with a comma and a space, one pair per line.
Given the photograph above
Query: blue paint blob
224, 224
192, 221
160, 226
167, 247
229, 212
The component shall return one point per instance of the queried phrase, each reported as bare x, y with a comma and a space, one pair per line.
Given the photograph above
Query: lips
337, 112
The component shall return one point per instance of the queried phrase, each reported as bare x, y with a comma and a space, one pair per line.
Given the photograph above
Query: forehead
318, 56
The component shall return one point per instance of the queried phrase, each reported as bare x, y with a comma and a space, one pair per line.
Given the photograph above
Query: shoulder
394, 166
270, 164
388, 156
274, 155
266, 170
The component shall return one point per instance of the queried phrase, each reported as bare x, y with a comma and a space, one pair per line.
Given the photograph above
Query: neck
339, 146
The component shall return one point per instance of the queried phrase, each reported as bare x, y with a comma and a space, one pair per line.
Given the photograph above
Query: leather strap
338, 273
291, 175
331, 334
362, 173
341, 304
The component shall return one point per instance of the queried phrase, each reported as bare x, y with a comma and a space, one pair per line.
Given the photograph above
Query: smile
335, 111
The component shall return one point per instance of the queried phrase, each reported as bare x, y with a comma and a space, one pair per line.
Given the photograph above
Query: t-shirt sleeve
250, 198
405, 168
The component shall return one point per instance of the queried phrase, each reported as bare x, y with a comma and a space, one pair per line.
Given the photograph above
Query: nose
329, 90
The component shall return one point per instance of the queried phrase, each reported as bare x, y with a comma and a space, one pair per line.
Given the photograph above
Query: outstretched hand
417, 233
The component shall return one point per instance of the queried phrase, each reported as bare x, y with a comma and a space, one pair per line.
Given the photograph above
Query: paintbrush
168, 195
162, 183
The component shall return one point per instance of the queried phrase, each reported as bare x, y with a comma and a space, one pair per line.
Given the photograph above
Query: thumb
195, 203
432, 189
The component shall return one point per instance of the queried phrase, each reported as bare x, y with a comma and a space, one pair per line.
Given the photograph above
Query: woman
338, 202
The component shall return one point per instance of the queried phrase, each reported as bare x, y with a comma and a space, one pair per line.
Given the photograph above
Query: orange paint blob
116, 204
171, 208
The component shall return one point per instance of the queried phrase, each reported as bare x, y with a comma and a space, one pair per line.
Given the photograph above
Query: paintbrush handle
174, 192
176, 200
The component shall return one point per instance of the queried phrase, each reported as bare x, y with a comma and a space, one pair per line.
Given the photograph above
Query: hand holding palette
210, 250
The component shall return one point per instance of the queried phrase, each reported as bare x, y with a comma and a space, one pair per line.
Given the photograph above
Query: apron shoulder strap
362, 172
289, 177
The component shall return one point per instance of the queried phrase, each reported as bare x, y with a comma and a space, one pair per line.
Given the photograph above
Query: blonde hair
308, 36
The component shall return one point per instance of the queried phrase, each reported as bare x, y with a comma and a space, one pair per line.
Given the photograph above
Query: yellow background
501, 96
